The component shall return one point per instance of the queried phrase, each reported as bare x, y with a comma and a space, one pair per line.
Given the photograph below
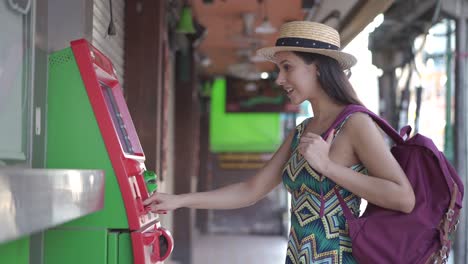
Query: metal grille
63, 58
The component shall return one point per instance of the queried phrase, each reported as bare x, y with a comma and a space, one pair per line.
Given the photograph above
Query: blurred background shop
195, 109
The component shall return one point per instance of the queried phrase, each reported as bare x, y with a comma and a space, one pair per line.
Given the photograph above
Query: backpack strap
346, 211
350, 109
455, 180
389, 130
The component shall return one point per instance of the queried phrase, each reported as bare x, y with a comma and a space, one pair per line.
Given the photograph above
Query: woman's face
296, 77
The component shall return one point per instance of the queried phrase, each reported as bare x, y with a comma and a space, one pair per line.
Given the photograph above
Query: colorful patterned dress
319, 231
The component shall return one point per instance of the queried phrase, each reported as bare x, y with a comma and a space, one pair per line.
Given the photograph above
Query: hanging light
257, 58
185, 24
266, 27
111, 28
244, 70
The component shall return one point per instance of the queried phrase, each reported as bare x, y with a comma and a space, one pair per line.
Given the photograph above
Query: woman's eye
286, 67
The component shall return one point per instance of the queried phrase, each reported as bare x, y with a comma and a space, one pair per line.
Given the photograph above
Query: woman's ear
348, 73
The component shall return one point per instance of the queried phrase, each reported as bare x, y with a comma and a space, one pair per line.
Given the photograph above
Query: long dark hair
332, 78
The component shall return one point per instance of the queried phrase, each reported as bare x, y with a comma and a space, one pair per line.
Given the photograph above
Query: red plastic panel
152, 245
117, 128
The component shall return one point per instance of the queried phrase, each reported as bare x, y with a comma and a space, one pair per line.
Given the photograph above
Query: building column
461, 131
386, 61
145, 28
186, 159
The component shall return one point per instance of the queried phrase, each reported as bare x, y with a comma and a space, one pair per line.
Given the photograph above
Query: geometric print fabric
319, 232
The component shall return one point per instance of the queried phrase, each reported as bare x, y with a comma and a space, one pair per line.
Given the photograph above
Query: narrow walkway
230, 249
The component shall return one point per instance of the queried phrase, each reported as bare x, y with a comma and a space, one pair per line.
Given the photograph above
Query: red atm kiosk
89, 127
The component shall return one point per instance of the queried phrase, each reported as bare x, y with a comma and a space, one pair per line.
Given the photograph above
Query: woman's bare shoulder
361, 128
359, 124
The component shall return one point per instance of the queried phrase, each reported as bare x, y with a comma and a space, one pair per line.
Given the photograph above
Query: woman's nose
280, 79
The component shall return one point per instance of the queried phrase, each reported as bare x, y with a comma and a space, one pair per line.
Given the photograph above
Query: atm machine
89, 127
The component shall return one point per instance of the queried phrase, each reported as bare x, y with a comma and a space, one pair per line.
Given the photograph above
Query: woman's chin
295, 100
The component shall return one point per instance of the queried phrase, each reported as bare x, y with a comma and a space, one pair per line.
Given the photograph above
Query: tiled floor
216, 249
229, 249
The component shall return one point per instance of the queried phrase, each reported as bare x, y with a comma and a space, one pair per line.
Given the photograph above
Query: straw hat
310, 37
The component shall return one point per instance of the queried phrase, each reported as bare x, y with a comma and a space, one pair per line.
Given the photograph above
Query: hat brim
345, 60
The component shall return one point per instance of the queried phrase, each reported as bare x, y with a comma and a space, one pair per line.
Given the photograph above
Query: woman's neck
324, 110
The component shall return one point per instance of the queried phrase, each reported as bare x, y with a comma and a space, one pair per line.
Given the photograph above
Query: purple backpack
422, 236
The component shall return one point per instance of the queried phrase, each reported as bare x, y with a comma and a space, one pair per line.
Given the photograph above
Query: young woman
354, 159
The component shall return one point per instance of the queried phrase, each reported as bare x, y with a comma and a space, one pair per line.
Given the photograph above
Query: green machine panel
74, 139
16, 251
75, 246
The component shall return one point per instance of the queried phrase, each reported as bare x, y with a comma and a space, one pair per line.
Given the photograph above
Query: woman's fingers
314, 138
155, 208
305, 145
302, 147
310, 138
311, 135
153, 198
159, 203
307, 140
150, 199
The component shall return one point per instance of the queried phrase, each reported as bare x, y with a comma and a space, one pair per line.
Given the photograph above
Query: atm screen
117, 119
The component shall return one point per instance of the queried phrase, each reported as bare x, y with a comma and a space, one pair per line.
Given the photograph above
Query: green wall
241, 132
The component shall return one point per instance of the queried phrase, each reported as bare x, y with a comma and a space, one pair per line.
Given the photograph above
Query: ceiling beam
406, 14
356, 22
455, 8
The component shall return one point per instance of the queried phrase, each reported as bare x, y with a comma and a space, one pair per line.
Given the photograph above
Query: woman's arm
386, 185
233, 196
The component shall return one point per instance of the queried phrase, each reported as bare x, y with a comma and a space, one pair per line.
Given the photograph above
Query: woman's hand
160, 203
315, 150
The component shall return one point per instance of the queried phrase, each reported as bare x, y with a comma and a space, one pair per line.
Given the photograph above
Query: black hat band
305, 43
